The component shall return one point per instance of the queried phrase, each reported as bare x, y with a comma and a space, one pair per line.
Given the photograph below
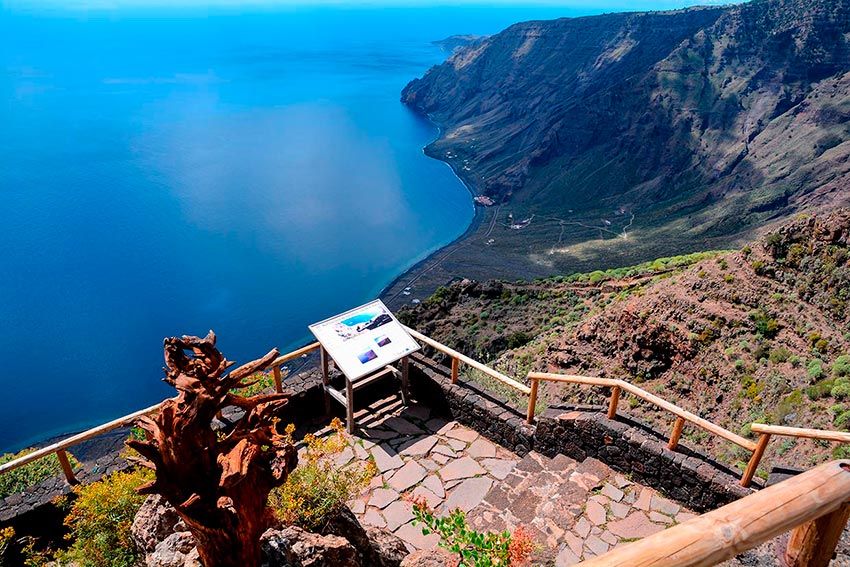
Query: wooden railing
458, 358
683, 416
813, 504
767, 431
60, 448
617, 386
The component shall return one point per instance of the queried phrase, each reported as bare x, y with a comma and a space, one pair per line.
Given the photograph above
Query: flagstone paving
574, 510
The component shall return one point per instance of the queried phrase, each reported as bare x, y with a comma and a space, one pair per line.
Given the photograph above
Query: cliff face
709, 119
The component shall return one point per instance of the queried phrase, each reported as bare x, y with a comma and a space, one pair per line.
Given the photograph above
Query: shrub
100, 519
841, 366
820, 390
257, 384
6, 537
814, 369
841, 388
22, 478
766, 326
318, 486
779, 355
474, 549
518, 339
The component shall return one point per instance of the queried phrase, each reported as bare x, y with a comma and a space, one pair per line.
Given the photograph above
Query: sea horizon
168, 174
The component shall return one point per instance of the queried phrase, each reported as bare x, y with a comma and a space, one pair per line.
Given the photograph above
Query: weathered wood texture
746, 523
218, 484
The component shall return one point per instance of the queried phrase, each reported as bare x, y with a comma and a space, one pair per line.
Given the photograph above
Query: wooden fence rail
457, 358
620, 385
812, 504
60, 448
767, 431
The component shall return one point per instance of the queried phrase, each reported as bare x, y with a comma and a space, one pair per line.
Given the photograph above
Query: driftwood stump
218, 483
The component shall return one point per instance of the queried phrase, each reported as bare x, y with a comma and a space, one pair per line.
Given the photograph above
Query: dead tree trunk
218, 483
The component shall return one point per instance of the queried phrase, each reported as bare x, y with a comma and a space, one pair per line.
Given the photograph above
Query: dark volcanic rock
294, 547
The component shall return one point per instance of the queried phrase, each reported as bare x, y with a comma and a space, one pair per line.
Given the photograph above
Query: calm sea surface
169, 171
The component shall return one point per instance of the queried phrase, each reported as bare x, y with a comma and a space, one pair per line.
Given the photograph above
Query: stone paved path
575, 510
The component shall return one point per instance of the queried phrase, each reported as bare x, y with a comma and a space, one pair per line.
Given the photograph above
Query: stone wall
636, 450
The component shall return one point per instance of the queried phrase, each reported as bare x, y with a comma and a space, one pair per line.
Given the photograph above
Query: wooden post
66, 467
813, 544
323, 357
753, 465
615, 399
455, 368
278, 382
677, 433
349, 406
532, 400
405, 375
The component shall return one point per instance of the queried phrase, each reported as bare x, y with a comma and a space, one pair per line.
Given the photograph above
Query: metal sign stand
347, 398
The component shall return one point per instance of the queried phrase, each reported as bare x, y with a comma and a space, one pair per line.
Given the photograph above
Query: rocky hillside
680, 126
760, 334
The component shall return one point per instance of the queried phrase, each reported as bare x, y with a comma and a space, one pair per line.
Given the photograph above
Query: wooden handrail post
532, 400
813, 544
278, 381
753, 465
455, 369
66, 467
677, 433
615, 400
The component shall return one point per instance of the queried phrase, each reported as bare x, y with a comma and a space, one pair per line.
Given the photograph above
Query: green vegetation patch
20, 479
646, 268
100, 519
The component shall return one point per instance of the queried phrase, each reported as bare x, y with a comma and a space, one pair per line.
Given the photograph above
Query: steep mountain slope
681, 126
762, 334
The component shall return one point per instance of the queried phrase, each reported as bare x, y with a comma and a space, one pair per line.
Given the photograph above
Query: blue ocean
169, 170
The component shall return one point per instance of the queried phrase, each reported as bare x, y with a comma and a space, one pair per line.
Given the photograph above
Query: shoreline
387, 294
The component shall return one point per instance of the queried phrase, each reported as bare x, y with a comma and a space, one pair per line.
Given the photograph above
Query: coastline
391, 294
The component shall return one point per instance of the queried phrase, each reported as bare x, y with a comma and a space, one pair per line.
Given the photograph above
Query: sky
119, 4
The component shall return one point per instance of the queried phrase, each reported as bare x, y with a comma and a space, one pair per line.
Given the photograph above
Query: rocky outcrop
154, 522
159, 532
430, 558
294, 547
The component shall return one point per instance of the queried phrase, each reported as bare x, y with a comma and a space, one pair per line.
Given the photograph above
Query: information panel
364, 339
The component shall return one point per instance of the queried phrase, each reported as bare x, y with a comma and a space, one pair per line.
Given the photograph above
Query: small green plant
766, 326
22, 478
820, 390
814, 368
6, 537
518, 339
100, 519
473, 548
779, 355
841, 366
841, 388
259, 383
319, 486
